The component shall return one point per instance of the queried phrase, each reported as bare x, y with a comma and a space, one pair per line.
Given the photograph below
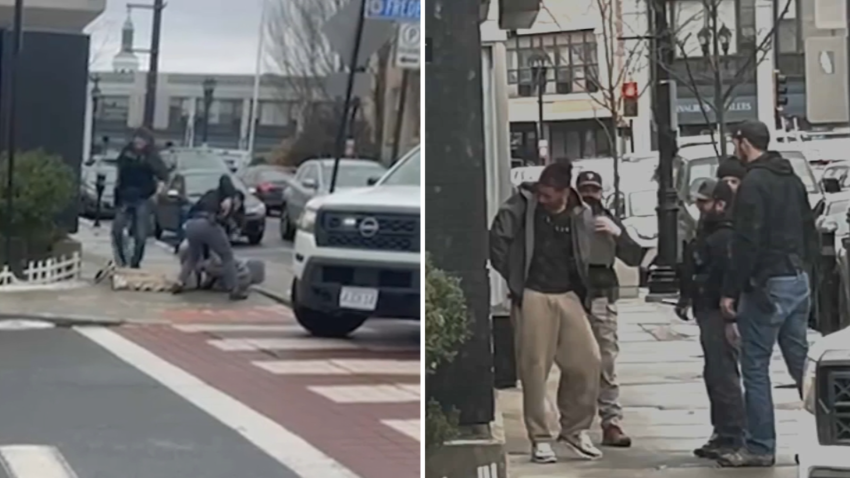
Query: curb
278, 297
65, 320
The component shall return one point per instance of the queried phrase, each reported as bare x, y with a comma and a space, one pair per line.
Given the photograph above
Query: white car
824, 440
358, 254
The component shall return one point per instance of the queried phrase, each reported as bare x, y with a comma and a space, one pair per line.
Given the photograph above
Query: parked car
268, 183
88, 189
184, 188
313, 179
180, 159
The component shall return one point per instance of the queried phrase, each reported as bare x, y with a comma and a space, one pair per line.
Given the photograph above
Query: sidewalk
665, 407
99, 303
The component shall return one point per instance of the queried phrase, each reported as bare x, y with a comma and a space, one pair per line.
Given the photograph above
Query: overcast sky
198, 36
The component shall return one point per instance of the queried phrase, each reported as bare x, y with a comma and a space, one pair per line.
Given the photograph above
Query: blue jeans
760, 330
136, 216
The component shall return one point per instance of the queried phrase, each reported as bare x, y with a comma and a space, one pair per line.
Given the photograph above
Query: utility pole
662, 280
11, 95
153, 64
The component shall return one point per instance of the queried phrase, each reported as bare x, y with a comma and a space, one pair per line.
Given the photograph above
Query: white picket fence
48, 271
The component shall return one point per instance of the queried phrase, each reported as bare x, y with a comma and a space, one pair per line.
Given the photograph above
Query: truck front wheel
322, 324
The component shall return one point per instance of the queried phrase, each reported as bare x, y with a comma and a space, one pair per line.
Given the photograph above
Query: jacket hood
772, 161
226, 188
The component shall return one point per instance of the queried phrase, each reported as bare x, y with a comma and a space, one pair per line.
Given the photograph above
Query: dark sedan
268, 183
186, 187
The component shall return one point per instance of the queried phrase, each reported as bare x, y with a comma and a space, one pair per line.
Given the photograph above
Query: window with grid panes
570, 61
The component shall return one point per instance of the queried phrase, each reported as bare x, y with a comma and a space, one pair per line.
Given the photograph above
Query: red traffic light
630, 89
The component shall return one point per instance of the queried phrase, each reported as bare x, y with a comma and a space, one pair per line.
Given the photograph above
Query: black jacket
774, 226
138, 173
706, 260
209, 205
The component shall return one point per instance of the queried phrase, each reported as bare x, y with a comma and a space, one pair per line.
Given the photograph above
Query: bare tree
713, 68
107, 28
618, 65
303, 57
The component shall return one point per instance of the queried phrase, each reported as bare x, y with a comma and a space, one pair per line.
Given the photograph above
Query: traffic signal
780, 86
630, 99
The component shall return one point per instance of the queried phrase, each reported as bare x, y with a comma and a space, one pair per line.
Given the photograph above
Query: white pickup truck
358, 254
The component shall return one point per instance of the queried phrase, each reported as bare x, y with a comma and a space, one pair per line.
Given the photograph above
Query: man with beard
540, 244
708, 259
731, 171
610, 241
766, 292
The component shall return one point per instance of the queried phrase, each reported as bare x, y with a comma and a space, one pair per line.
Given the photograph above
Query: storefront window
571, 62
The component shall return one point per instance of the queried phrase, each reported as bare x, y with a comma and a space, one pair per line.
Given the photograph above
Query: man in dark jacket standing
708, 260
610, 241
139, 171
540, 244
766, 291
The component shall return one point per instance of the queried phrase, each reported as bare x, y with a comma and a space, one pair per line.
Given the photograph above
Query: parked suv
358, 255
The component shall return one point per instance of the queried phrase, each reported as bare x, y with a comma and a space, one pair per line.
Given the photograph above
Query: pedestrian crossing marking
196, 328
34, 461
303, 343
341, 367
410, 428
396, 393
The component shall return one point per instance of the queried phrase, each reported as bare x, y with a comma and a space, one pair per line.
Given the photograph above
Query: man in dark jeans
705, 263
766, 293
139, 170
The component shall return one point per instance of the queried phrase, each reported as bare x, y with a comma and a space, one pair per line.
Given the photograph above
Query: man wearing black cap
707, 260
766, 292
731, 171
610, 241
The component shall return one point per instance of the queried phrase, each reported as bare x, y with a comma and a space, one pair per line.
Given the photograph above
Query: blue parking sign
399, 10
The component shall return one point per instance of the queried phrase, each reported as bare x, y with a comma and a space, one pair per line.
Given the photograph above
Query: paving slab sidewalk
665, 408
91, 302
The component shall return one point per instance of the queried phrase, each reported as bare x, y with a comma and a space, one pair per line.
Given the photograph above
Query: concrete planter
466, 459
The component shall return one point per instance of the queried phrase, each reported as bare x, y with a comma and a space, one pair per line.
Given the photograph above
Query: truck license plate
358, 298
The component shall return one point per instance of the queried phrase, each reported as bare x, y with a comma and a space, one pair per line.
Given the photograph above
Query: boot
613, 435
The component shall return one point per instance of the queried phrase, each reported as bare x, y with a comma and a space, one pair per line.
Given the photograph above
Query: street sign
398, 10
407, 46
340, 30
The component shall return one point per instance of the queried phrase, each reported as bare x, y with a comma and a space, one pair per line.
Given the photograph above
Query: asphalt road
67, 399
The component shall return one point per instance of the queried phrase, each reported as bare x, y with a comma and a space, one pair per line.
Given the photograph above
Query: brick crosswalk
357, 400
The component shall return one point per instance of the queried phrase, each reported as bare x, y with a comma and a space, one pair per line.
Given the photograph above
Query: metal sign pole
339, 149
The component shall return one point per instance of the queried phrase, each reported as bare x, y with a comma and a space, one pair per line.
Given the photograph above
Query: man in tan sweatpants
539, 243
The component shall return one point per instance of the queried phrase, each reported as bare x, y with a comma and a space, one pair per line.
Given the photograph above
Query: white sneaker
543, 453
580, 446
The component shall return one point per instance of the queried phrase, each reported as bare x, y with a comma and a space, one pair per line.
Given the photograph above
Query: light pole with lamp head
209, 89
538, 69
95, 109
714, 43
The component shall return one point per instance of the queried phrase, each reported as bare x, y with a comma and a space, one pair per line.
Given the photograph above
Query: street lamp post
95, 108
209, 90
538, 67
714, 43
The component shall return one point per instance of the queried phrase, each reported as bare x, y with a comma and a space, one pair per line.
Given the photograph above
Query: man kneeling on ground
540, 243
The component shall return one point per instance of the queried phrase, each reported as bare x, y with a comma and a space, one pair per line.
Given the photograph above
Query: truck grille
832, 410
388, 232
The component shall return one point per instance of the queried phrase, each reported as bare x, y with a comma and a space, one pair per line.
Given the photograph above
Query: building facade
584, 62
180, 110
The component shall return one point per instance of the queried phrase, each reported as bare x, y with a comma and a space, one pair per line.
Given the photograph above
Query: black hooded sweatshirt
138, 171
774, 226
209, 205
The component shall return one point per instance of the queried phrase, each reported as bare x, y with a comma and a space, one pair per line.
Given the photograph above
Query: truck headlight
809, 398
307, 221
